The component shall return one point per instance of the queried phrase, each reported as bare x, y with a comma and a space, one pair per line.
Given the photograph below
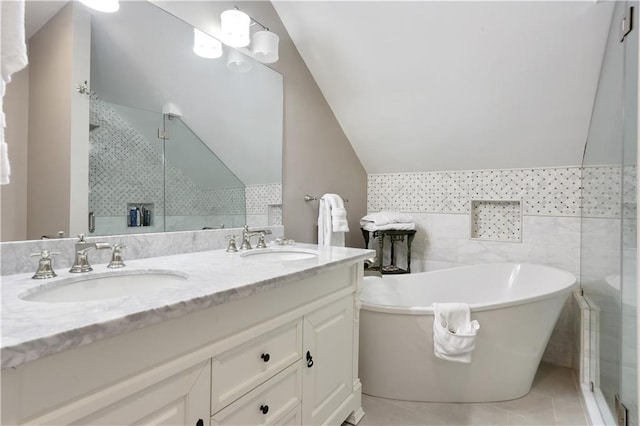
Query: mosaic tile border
544, 191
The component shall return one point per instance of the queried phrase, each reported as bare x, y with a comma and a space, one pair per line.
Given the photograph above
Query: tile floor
553, 400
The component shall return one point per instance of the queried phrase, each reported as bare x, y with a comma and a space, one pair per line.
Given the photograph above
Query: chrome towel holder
308, 197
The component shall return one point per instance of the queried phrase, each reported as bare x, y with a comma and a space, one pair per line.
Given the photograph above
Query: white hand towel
327, 235
454, 334
13, 57
339, 221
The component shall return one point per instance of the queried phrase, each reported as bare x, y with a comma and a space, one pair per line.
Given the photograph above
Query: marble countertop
31, 330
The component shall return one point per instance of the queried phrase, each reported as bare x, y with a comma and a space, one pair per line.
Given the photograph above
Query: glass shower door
608, 247
125, 170
201, 191
628, 352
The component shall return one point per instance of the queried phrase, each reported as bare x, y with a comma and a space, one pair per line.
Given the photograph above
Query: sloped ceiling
422, 86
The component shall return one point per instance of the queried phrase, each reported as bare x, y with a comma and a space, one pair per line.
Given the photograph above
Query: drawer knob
309, 359
200, 422
265, 357
264, 409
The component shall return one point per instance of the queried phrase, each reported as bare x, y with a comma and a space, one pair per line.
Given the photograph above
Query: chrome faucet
81, 248
246, 238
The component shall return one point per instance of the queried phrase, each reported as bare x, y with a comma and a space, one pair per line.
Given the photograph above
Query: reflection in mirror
218, 160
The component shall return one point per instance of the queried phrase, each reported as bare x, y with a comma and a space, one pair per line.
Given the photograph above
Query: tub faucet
246, 237
81, 248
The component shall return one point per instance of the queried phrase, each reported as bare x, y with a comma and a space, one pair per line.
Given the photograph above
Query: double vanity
265, 336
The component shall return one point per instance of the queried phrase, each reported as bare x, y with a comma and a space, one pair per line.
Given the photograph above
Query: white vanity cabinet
282, 356
328, 346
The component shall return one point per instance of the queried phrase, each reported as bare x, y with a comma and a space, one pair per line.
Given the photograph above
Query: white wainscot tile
601, 262
564, 231
451, 226
601, 232
429, 265
470, 252
442, 250
257, 220
629, 233
563, 257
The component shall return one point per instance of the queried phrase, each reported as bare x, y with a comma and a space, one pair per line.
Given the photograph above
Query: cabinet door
328, 360
182, 399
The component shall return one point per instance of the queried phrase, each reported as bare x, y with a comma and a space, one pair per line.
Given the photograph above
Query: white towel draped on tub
332, 221
454, 334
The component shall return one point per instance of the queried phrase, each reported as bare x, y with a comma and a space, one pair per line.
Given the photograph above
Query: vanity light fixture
234, 28
206, 46
108, 6
265, 46
237, 61
235, 31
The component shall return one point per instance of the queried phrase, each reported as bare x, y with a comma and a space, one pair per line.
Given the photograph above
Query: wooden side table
394, 237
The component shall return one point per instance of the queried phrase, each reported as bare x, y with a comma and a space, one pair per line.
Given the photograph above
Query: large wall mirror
172, 141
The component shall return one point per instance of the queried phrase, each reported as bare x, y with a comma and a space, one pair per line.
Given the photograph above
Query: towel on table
332, 221
385, 218
454, 334
370, 226
13, 57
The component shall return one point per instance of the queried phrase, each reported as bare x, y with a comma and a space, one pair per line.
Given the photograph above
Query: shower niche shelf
140, 214
496, 220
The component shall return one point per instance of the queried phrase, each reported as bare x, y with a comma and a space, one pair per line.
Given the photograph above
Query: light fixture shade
206, 46
234, 28
238, 62
265, 46
108, 6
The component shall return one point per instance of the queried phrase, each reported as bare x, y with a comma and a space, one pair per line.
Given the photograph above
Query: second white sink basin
279, 254
103, 286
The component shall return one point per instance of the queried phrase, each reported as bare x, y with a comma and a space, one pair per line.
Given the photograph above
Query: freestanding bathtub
517, 306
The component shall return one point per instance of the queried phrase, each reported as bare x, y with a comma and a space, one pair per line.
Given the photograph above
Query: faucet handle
246, 234
261, 242
45, 253
116, 256
45, 267
232, 247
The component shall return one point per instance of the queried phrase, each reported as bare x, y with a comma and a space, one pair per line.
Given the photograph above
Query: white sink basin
279, 254
105, 285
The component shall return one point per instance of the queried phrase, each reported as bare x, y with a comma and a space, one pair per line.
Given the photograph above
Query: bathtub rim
478, 307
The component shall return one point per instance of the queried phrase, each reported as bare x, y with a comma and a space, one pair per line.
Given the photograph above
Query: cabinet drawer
270, 403
237, 371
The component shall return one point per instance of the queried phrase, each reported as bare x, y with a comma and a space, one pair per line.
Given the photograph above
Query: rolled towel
371, 227
454, 334
385, 218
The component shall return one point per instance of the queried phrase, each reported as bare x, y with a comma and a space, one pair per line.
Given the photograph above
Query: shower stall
609, 225
149, 172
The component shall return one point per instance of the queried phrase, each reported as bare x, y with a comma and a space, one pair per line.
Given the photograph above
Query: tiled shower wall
549, 219
264, 204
